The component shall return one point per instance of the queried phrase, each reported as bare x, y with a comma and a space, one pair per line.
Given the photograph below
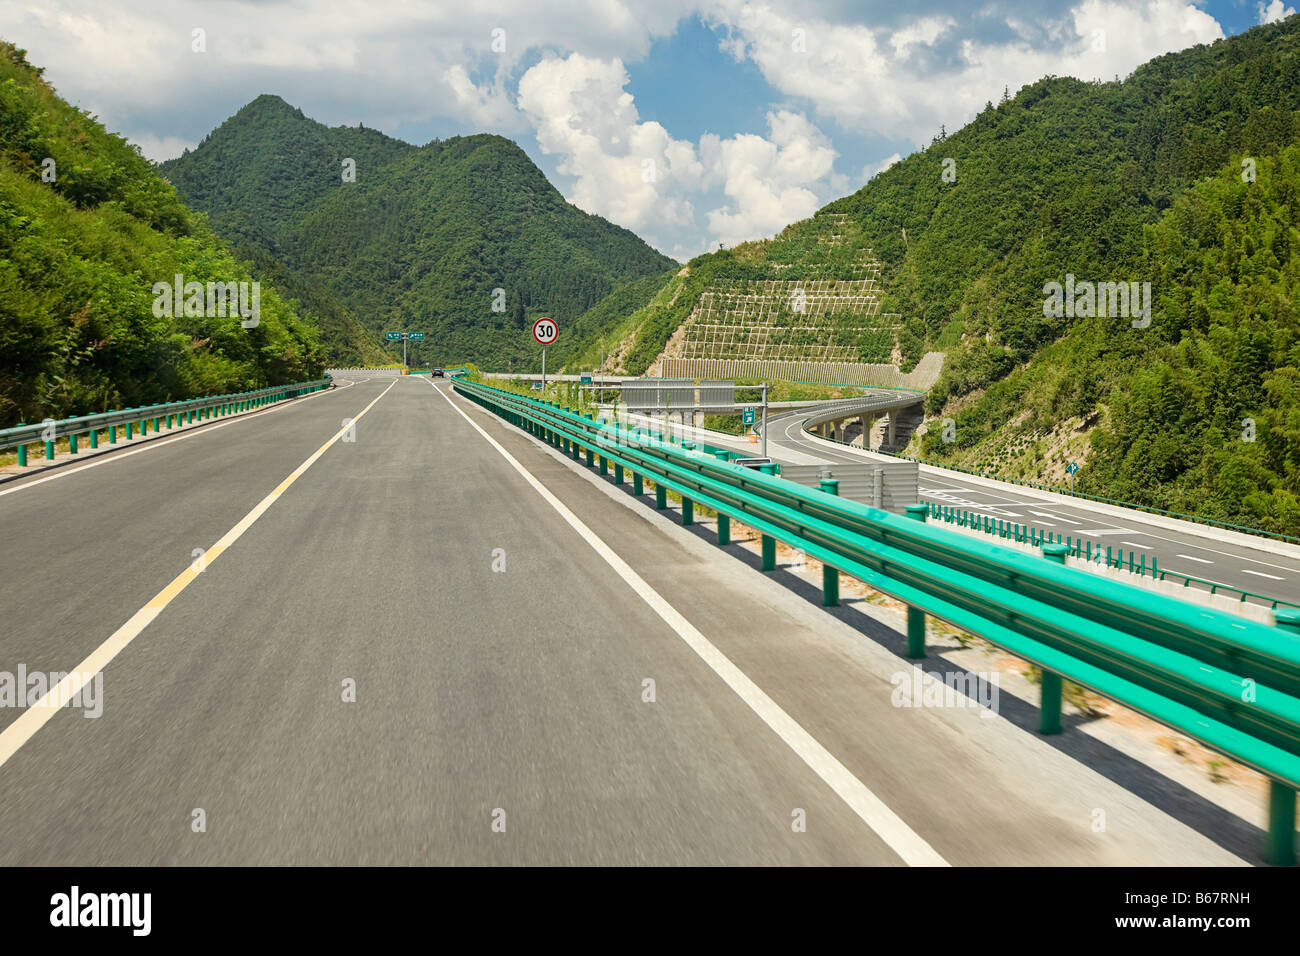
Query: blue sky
692, 122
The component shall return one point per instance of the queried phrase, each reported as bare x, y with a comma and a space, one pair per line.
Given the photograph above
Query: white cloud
871, 170
873, 80
637, 175
631, 172
485, 107
767, 180
1274, 11
870, 68
159, 148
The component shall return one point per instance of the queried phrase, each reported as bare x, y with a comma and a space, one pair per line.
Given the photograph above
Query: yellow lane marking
36, 716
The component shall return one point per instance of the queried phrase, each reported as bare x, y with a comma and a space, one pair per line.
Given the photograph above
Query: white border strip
900, 838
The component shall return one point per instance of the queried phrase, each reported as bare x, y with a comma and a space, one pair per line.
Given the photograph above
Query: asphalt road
498, 619
1185, 550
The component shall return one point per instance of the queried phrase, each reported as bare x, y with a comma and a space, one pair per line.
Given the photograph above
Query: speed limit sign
545, 331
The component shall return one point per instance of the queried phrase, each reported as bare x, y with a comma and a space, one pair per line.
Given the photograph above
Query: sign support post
545, 332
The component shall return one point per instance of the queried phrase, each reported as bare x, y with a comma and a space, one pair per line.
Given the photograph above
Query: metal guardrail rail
50, 430
1228, 682
1149, 509
1080, 547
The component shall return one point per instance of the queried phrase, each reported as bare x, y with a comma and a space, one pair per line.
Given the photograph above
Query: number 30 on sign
545, 331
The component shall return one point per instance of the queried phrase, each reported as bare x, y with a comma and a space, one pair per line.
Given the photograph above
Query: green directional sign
584, 379
393, 336
415, 336
747, 416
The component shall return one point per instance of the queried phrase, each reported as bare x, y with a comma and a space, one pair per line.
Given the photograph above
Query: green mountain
421, 239
1106, 182
87, 228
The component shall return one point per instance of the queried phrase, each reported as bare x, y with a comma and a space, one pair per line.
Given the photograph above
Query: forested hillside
1090, 180
86, 229
422, 239
1206, 409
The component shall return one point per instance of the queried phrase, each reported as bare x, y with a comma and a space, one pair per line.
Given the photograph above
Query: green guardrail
1081, 547
169, 415
1231, 683
1149, 509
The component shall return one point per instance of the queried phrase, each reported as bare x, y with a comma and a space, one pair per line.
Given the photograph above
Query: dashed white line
1261, 574
1201, 560
1134, 544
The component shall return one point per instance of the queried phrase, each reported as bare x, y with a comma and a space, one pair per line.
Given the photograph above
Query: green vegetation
81, 244
1098, 180
420, 240
1207, 420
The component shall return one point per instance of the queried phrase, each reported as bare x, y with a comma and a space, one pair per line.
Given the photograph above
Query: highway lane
476, 689
1185, 550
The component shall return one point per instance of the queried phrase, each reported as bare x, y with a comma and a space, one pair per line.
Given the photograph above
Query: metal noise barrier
1230, 683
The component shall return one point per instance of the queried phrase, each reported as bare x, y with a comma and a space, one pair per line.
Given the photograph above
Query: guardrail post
72, 444
618, 473
661, 497
22, 456
767, 542
94, 438
688, 511
637, 487
915, 616
1280, 850
49, 451
604, 465
130, 430
724, 529
1049, 712
591, 458
112, 434
830, 575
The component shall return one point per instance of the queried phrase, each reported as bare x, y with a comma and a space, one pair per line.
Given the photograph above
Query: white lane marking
1060, 518
1183, 540
39, 714
972, 505
1261, 574
1098, 532
1190, 558
154, 444
1134, 544
900, 838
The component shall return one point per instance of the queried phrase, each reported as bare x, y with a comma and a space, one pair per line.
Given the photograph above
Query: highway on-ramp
379, 625
1261, 567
